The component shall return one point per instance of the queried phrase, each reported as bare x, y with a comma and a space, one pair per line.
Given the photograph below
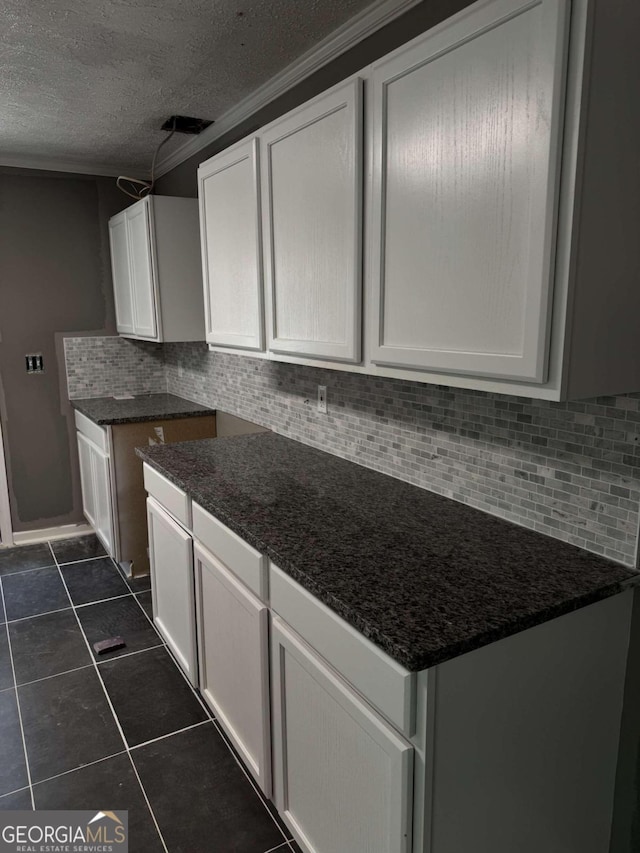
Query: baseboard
64, 531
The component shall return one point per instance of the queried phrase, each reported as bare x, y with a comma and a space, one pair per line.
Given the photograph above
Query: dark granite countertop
423, 577
106, 411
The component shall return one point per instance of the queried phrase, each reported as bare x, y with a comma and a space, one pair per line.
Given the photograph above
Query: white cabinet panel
466, 153
312, 179
86, 479
233, 648
102, 490
343, 777
95, 481
121, 274
141, 264
172, 586
229, 194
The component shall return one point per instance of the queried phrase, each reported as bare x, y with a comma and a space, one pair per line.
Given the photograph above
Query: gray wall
55, 278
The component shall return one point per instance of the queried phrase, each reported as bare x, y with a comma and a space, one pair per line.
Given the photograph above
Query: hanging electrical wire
137, 188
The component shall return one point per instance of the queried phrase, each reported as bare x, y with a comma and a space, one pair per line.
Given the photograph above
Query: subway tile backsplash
570, 470
104, 366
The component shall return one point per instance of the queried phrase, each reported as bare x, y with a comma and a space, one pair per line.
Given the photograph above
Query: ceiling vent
186, 124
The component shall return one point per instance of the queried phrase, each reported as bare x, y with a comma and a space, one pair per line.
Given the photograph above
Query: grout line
13, 671
279, 847
102, 600
24, 571
170, 734
128, 654
17, 791
252, 782
115, 717
35, 615
195, 692
55, 675
193, 689
82, 766
144, 794
83, 560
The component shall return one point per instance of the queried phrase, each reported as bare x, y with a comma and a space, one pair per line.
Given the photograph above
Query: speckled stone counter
106, 411
422, 576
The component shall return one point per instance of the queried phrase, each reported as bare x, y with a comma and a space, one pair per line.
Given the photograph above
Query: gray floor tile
13, 768
47, 645
67, 723
31, 593
78, 548
112, 781
25, 557
226, 815
150, 696
145, 600
18, 800
6, 671
119, 618
93, 580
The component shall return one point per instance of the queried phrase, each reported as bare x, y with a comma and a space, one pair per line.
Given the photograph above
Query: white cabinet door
95, 482
312, 179
229, 194
343, 776
86, 479
139, 231
466, 164
172, 586
121, 273
233, 649
103, 523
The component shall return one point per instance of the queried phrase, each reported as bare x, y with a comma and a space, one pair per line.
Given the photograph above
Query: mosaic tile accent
104, 366
570, 470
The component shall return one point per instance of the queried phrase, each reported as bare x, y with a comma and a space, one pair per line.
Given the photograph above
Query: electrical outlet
322, 399
35, 363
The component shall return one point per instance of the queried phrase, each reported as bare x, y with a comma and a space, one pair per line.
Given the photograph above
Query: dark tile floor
124, 730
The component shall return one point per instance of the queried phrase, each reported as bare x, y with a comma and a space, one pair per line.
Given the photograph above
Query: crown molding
47, 165
355, 30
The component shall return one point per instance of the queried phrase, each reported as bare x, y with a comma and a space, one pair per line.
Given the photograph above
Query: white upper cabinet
157, 279
229, 194
140, 262
467, 132
312, 199
121, 274
501, 203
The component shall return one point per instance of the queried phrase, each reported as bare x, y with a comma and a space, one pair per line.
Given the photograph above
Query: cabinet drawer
388, 686
244, 561
95, 433
173, 499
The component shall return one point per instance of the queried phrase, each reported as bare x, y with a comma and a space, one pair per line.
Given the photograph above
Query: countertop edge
413, 663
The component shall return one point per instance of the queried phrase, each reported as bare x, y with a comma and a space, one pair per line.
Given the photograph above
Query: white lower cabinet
171, 560
86, 479
96, 489
233, 644
103, 523
343, 776
362, 756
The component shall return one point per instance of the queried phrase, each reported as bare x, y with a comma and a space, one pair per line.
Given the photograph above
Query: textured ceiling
91, 81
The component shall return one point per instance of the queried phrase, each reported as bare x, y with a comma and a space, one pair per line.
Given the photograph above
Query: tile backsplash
104, 366
570, 470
